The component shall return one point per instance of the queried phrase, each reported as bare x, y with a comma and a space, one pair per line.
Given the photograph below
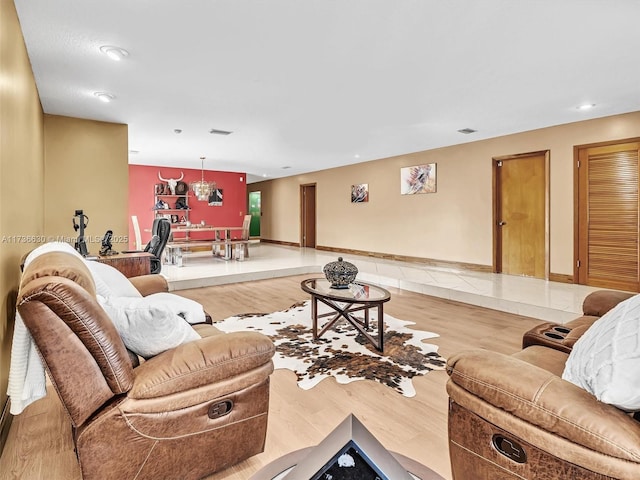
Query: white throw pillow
147, 329
188, 309
110, 282
605, 361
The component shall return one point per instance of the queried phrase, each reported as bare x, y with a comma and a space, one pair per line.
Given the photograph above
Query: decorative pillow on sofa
605, 361
188, 309
145, 328
111, 282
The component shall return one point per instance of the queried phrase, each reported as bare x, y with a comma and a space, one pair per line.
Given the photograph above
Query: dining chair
136, 232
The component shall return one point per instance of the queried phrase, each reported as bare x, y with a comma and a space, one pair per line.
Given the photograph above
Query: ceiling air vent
214, 131
467, 131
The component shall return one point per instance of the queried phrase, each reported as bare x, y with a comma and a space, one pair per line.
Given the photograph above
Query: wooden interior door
521, 215
607, 213
308, 215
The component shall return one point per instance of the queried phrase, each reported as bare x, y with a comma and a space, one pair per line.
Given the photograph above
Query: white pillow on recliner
605, 361
111, 282
147, 329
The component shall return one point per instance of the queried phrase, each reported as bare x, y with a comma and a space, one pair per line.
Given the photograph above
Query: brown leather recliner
183, 414
563, 336
513, 417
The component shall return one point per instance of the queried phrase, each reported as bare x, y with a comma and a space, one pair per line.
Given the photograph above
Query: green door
255, 212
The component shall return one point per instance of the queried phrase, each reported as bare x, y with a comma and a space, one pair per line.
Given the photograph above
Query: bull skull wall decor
172, 182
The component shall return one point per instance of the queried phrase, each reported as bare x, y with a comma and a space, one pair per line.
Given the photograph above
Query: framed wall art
360, 193
418, 179
215, 199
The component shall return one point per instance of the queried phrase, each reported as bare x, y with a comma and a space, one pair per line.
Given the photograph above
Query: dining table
217, 230
221, 243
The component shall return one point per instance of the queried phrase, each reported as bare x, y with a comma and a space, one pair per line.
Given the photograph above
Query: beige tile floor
549, 301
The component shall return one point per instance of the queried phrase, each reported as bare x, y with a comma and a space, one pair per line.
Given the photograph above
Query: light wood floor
40, 447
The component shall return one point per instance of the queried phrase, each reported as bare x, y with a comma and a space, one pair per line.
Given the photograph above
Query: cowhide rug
342, 352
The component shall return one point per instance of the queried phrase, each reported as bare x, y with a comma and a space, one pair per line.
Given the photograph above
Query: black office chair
160, 233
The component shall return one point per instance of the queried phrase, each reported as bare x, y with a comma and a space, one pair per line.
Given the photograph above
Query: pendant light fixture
202, 189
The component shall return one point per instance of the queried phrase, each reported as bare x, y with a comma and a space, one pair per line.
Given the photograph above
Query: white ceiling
313, 84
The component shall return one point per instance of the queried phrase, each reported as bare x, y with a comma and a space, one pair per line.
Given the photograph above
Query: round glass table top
356, 291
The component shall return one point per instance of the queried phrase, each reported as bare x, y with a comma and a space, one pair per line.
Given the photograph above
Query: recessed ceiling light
586, 106
467, 131
104, 96
356, 156
286, 167
114, 53
177, 130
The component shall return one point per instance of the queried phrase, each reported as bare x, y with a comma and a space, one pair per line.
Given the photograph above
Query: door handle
500, 224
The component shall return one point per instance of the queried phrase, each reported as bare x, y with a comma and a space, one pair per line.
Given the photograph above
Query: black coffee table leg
380, 328
314, 315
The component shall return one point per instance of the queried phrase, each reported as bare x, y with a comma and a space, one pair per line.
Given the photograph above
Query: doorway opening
255, 210
308, 215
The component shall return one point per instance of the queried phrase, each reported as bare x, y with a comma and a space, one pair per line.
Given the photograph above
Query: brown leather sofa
513, 417
563, 336
183, 414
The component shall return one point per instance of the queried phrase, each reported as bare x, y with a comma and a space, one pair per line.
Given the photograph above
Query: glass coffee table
344, 303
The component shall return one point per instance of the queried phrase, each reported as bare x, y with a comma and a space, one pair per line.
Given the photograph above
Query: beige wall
86, 165
454, 224
49, 167
21, 172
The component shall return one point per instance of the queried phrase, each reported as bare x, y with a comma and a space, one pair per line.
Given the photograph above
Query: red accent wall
142, 181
